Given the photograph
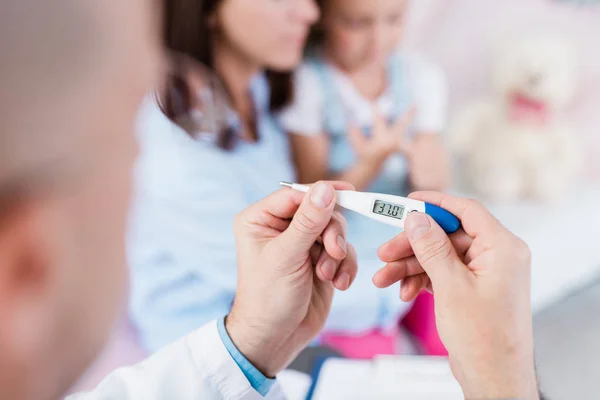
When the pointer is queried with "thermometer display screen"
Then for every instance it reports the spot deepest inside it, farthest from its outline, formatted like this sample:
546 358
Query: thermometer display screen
388 209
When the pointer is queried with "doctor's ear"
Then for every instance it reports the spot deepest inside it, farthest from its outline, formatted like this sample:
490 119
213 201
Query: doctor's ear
25 254
29 280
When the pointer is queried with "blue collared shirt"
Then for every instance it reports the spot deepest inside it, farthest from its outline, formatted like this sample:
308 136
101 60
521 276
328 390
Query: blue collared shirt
259 382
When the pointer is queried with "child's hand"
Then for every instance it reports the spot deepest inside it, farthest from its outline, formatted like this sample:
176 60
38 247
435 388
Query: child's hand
384 141
429 163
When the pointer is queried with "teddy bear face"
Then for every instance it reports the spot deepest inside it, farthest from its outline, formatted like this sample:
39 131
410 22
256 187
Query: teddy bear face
540 69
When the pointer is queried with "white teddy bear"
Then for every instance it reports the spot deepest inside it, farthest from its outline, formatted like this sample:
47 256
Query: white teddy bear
518 143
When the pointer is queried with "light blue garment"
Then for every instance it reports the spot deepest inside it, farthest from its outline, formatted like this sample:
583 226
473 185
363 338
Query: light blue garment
257 380
366 234
181 246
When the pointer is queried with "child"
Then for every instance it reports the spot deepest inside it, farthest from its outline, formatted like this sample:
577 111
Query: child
370 115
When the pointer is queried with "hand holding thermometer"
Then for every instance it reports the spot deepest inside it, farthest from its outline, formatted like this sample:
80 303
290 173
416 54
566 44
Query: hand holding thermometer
391 210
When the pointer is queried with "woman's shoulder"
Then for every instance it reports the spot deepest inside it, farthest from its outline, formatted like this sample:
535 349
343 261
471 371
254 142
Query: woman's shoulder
153 127
169 156
156 131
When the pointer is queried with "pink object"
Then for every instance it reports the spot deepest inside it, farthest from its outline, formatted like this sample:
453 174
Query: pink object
420 321
525 109
361 346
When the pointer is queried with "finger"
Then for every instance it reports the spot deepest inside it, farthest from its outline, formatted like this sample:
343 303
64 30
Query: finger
311 219
397 271
357 138
399 247
475 217
409 288
379 123
315 253
284 203
429 287
327 267
272 212
395 249
275 211
434 250
405 121
338 185
334 236
347 271
400 128
412 286
407 147
408 265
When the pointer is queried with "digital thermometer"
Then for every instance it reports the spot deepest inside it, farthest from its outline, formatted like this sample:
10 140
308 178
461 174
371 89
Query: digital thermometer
391 210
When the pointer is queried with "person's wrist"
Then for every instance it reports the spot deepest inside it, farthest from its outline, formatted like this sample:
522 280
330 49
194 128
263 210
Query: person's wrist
493 391
500 377
257 343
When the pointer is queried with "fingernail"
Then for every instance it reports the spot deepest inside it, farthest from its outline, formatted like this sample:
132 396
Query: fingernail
342 243
321 195
417 225
328 270
343 281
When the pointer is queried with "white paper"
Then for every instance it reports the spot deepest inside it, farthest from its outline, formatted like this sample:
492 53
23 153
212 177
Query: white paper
295 384
388 377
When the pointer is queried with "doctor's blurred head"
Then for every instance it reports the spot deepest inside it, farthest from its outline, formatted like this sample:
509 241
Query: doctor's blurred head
72 75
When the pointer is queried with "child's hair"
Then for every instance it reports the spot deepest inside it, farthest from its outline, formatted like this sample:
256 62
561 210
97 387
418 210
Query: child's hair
186 32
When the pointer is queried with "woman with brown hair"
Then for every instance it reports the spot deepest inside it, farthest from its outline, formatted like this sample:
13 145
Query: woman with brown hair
210 148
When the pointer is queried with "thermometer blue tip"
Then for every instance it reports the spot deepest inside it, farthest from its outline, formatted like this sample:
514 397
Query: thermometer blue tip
445 219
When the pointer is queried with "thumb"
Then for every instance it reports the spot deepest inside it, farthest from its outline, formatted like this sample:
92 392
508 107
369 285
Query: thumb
310 220
433 249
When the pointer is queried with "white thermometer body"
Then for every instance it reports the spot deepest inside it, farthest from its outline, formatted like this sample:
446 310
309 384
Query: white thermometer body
386 208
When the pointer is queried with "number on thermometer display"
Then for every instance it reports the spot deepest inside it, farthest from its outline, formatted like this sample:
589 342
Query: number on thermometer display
388 209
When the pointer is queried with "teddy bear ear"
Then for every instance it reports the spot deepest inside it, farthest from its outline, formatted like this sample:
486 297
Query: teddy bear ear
503 51
501 56
568 49
503 46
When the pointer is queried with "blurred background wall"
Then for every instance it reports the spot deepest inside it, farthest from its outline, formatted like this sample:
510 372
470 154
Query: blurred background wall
460 36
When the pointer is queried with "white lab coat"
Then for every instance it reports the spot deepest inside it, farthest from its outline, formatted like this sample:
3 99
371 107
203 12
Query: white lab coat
197 367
